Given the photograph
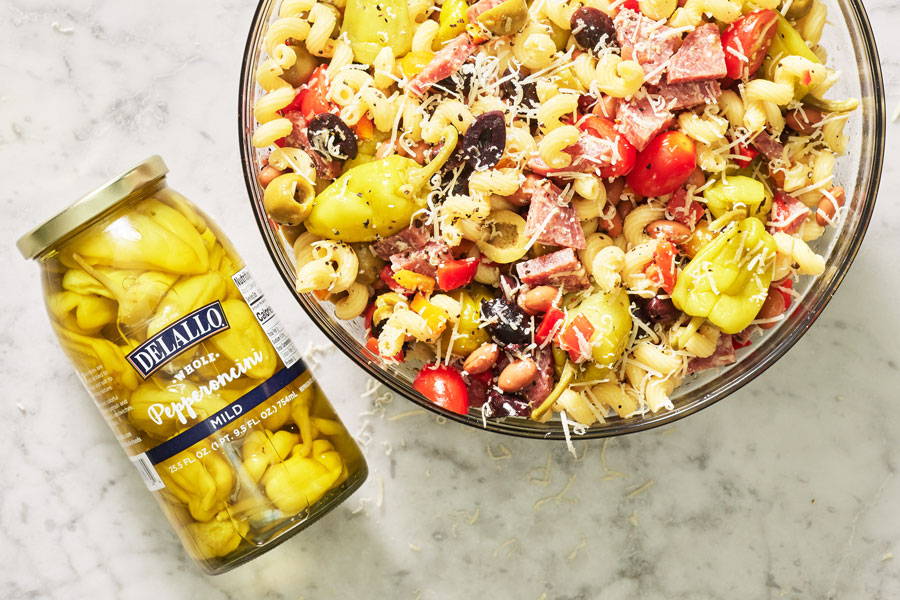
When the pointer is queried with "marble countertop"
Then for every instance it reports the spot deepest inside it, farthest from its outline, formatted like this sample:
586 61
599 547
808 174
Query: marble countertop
787 489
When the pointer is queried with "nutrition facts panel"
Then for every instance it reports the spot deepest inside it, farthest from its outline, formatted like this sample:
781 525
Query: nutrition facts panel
266 317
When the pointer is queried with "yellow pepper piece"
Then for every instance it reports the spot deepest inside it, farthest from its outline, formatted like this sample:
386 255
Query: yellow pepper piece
163 412
452 21
218 537
787 42
86 313
151 236
299 482
188 294
264 448
202 484
738 192
435 316
414 281
728 280
413 63
245 341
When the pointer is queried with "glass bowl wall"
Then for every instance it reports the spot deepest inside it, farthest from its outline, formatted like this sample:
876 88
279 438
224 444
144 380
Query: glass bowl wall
851 48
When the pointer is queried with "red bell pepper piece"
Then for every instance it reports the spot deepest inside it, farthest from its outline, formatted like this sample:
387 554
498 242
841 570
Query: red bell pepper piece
548 324
456 273
579 330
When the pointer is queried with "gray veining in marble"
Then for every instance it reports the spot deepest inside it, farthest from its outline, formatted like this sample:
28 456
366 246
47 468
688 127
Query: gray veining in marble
788 489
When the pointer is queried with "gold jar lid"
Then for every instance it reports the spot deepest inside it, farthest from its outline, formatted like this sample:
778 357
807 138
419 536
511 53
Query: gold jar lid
90 207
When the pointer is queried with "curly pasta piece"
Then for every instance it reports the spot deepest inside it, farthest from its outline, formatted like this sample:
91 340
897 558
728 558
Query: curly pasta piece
691 14
606 268
638 219
801 255
551 146
618 78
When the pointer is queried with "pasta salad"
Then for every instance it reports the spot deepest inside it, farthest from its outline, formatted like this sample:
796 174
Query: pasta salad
569 206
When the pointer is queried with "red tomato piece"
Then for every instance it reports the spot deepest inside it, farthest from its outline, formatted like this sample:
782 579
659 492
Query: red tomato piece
748 38
444 386
456 273
738 344
785 284
296 103
632 4
748 152
576 338
548 324
314 94
662 270
625 154
665 164
368 315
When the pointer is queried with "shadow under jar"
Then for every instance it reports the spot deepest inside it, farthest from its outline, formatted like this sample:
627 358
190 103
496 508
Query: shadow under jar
191 369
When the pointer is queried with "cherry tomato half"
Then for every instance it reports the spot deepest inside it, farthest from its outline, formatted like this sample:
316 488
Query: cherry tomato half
749 37
624 155
665 164
454 274
444 386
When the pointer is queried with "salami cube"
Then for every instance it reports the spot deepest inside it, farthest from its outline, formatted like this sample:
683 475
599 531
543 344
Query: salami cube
700 58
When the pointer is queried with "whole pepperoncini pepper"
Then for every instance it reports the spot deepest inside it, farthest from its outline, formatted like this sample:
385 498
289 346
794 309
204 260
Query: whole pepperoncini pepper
93 351
152 236
203 484
376 199
264 448
298 482
189 294
728 280
138 293
738 192
371 26
217 537
244 340
87 313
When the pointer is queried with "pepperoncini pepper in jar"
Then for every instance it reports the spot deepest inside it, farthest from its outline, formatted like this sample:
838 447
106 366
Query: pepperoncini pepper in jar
207 395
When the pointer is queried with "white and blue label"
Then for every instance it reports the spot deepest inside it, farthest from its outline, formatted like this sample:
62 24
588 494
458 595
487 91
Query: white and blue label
183 334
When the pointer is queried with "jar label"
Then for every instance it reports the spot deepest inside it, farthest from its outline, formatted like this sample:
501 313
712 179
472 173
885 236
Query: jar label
224 417
180 336
266 317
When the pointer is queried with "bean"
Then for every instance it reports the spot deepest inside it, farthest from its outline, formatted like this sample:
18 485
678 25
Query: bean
538 300
614 190
828 208
607 106
673 231
777 178
481 359
623 208
612 226
804 120
771 308
697 178
517 375
266 175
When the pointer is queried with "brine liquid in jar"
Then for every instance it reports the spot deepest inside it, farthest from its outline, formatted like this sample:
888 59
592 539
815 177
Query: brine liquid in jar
192 369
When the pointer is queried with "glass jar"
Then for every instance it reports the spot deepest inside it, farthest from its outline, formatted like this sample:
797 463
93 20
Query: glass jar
191 369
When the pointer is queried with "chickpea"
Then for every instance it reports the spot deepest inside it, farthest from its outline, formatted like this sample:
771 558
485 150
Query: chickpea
673 231
482 359
517 375
697 178
266 175
538 300
827 207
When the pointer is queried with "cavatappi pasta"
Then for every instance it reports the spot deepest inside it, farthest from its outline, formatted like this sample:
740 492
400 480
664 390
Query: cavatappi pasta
572 206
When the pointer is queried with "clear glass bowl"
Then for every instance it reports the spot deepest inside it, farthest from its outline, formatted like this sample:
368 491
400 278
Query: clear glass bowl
859 171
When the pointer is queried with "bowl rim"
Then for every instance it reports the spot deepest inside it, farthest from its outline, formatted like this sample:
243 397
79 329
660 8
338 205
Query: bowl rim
246 88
